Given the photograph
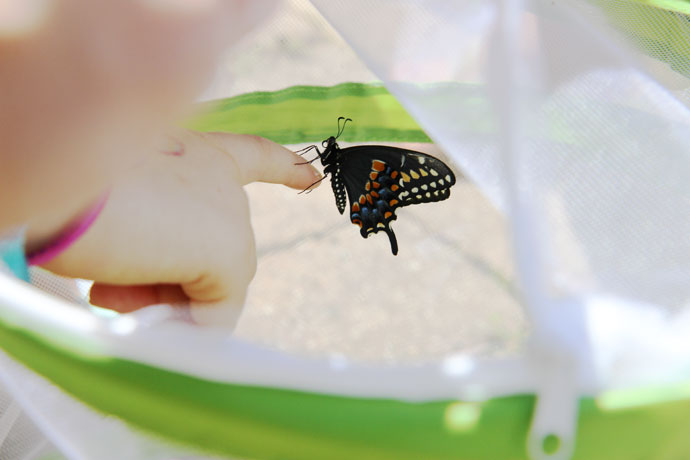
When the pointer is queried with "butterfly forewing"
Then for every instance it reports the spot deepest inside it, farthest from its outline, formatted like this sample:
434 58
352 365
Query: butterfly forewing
424 179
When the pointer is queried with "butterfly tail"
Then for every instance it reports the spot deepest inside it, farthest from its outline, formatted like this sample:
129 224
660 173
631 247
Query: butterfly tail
394 241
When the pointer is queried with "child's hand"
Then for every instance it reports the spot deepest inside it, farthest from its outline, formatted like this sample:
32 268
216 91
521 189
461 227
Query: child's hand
177 228
86 87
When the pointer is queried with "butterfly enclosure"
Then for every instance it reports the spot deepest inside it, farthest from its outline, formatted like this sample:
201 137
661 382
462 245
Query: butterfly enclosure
540 311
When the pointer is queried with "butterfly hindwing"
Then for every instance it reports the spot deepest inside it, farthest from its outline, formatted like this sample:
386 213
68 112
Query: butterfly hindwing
380 179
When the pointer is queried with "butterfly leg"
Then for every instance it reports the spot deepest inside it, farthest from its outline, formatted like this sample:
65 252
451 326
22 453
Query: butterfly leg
306 149
309 189
306 162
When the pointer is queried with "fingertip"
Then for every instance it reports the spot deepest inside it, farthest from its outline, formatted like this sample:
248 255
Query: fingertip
224 315
304 175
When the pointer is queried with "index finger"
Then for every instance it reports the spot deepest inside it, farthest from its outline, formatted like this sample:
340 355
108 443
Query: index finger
262 160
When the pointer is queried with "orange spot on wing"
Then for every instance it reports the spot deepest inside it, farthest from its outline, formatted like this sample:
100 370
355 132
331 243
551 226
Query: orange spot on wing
387 215
374 194
376 184
394 187
357 222
369 199
377 165
355 207
394 174
362 200
393 202
368 186
373 175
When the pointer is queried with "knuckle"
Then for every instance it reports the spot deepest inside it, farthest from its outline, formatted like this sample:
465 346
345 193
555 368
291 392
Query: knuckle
254 157
263 161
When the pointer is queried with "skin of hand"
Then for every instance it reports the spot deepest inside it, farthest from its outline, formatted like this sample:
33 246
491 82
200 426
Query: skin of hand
176 228
88 87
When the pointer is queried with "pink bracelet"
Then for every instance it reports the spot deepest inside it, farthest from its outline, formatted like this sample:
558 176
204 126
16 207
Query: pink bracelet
70 235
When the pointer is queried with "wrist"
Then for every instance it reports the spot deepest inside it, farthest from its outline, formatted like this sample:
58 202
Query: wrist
44 245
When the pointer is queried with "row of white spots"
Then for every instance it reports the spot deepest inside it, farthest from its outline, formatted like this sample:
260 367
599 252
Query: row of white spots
340 197
435 193
435 173
426 187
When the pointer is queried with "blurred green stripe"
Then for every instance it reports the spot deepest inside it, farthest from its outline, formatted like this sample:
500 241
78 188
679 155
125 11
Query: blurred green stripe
308 114
304 92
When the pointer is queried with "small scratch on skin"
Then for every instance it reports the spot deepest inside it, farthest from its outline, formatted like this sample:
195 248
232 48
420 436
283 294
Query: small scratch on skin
176 148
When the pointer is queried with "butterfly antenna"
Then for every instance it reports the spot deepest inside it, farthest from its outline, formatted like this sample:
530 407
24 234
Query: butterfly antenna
342 128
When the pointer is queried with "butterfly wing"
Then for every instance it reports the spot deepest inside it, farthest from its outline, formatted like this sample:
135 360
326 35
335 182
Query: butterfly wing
379 179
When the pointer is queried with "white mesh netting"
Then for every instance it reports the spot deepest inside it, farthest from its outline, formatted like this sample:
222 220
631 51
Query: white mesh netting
570 120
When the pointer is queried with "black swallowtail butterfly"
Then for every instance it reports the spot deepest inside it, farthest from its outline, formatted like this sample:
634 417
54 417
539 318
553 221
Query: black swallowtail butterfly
379 179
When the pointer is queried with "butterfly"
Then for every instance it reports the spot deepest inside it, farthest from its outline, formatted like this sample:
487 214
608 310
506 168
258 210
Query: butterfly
378 180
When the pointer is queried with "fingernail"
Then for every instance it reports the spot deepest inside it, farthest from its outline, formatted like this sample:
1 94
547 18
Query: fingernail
223 315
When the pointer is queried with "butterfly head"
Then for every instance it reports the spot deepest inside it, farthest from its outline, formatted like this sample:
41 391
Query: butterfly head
330 146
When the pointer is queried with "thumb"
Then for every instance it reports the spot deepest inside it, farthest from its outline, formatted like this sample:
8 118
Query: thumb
261 160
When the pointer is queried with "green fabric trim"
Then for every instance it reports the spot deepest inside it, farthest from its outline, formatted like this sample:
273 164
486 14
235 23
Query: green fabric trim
308 114
269 423
264 423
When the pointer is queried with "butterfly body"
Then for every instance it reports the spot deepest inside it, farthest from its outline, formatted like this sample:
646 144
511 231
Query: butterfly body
378 179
